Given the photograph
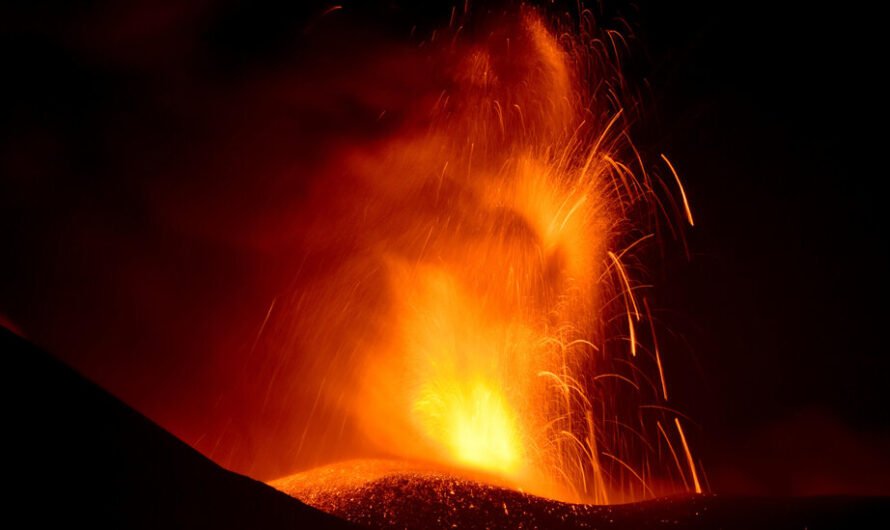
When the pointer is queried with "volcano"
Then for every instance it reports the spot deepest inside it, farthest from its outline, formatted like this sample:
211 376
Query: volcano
80 456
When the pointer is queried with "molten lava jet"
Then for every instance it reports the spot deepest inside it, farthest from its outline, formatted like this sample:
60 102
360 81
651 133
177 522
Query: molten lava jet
475 304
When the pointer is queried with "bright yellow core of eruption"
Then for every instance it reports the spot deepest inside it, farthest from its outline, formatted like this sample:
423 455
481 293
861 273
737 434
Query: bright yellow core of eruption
480 429
459 402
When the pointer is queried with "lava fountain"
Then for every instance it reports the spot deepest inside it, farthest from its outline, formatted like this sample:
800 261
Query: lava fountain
474 301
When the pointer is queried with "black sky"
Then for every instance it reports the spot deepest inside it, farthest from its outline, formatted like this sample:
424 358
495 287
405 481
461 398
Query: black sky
776 115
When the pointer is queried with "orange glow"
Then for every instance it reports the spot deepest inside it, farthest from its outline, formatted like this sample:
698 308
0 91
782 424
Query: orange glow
472 324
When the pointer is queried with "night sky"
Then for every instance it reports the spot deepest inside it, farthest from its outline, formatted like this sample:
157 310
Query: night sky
145 219
774 113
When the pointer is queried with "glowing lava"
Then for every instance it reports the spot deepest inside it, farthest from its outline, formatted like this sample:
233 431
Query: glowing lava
485 306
